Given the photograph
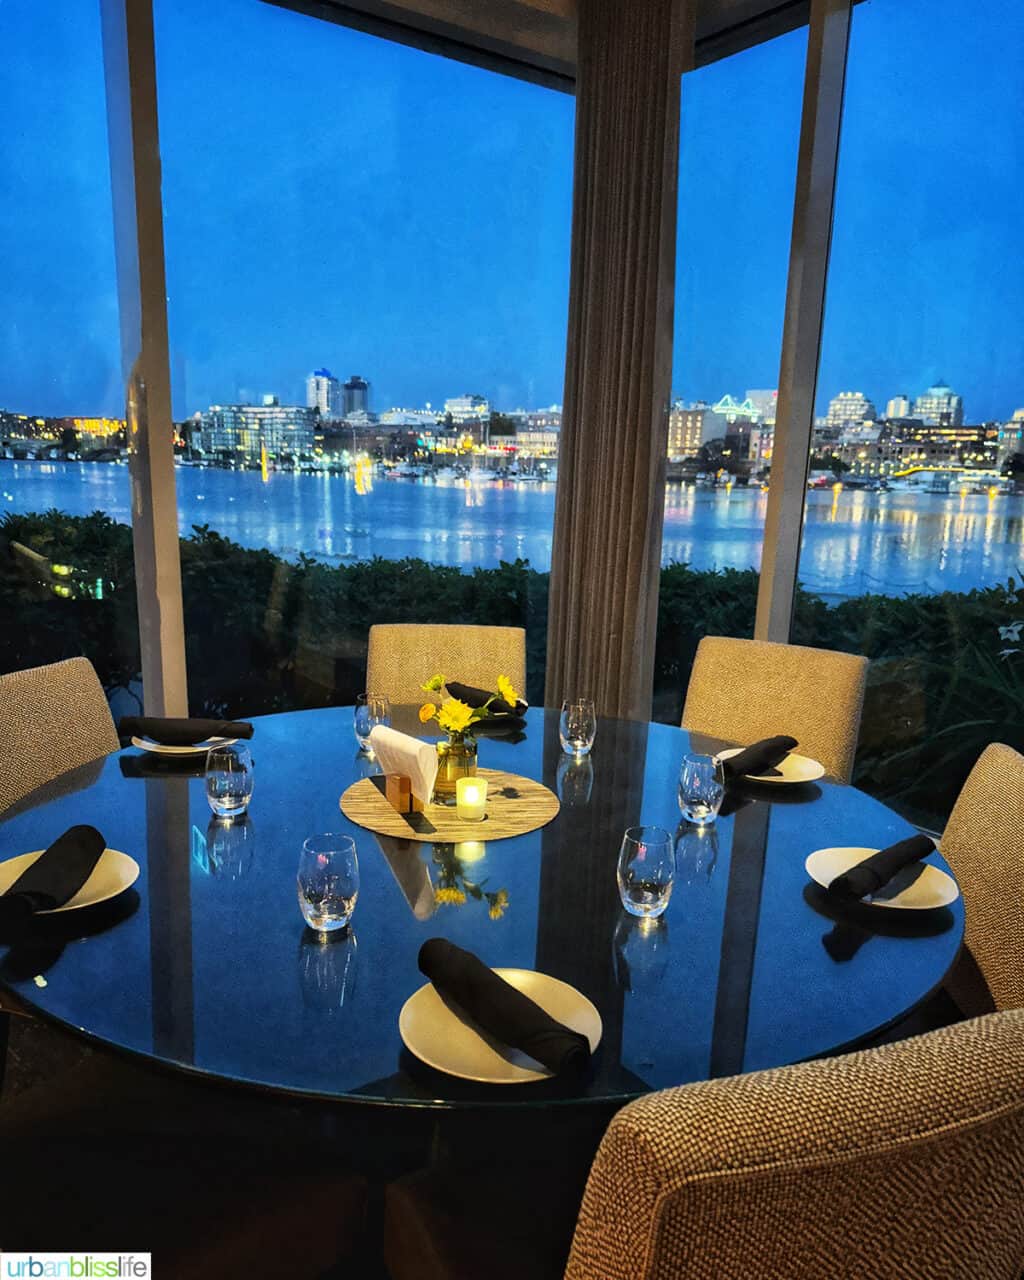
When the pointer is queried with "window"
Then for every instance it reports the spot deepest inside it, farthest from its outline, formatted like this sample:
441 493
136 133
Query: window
367 265
912 544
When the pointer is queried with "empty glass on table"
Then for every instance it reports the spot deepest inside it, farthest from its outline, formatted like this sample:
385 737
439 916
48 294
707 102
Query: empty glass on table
371 710
229 780
701 788
328 881
577 726
646 870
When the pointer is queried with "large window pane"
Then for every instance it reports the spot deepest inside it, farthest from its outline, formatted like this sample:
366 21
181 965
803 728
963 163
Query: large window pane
913 535
368 274
740 128
66 571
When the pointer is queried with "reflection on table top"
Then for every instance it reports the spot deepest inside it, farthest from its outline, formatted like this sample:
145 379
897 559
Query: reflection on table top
207 966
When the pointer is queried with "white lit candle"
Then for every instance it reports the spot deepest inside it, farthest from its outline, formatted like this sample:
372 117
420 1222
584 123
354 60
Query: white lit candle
471 799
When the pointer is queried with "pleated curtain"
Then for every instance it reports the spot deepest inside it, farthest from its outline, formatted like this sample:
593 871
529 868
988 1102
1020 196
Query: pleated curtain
611 472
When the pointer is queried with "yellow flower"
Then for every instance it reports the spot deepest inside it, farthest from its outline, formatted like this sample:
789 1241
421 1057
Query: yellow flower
449 897
501 897
496 911
506 690
434 685
455 716
427 712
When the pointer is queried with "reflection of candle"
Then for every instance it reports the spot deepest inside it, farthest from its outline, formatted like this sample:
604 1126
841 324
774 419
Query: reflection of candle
470 850
471 799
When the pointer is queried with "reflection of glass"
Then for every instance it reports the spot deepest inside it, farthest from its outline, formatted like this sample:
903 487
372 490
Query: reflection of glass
646 870
640 953
577 726
701 788
371 710
231 848
696 852
327 972
366 765
574 780
328 881
229 780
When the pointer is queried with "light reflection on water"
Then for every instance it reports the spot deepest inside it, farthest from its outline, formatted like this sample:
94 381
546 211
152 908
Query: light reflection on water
854 541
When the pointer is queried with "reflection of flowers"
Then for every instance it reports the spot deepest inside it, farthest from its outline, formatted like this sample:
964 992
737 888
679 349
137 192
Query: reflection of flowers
454 887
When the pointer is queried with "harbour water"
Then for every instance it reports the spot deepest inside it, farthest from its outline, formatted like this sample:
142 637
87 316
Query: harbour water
854 541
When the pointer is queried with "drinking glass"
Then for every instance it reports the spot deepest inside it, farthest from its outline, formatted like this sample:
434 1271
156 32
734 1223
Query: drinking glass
701 788
577 726
229 780
371 710
646 870
328 881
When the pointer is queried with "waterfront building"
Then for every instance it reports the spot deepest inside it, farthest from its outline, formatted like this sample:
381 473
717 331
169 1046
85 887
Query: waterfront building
425 419
355 396
323 392
244 431
1010 437
849 408
940 406
688 428
766 403
539 442
898 407
544 419
467 409
732 410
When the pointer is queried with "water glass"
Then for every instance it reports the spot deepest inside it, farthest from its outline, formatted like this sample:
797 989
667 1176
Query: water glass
328 882
371 710
229 780
701 788
577 726
646 870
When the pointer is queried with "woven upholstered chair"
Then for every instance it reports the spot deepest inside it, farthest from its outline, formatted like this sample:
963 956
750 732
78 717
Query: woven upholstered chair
984 844
904 1161
743 690
402 655
52 719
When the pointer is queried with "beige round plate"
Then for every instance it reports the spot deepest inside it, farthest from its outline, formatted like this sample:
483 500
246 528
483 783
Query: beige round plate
199 748
794 768
114 873
933 887
440 1038
515 805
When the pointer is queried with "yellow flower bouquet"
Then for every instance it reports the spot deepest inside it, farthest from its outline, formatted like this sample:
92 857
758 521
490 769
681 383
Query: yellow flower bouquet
456 757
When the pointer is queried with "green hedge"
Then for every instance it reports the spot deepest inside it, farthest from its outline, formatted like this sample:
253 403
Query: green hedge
264 634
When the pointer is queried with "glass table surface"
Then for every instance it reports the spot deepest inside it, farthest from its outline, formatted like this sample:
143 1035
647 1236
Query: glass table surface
206 964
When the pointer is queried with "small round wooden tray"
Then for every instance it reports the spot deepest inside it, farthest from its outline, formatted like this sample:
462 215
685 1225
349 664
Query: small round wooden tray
515 805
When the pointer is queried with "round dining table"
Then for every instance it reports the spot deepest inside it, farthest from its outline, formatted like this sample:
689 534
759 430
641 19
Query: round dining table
206 966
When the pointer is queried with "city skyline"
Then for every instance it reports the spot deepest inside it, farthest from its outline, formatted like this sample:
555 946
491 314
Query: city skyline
305 237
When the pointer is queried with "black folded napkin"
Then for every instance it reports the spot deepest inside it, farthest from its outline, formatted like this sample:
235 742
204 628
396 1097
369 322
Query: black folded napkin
760 758
474 697
501 1010
55 876
181 733
870 875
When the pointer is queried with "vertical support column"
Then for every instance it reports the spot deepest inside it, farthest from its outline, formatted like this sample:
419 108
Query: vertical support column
606 558
132 127
814 201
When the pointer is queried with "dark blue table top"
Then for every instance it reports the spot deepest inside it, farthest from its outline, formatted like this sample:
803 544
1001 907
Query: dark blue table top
207 966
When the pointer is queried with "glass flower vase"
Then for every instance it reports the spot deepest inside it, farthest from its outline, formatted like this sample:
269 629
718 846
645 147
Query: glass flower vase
456 758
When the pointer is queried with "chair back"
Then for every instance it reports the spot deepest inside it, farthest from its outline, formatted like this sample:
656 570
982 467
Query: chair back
905 1160
52 719
404 655
744 690
984 844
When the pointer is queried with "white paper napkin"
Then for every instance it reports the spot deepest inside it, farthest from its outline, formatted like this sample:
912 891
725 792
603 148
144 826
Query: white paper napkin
401 753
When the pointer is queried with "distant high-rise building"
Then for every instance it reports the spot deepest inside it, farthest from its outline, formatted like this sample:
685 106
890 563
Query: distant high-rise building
323 392
940 406
765 402
355 396
898 407
848 408
687 429
467 409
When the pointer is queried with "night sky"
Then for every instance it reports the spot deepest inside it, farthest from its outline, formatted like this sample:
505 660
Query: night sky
333 199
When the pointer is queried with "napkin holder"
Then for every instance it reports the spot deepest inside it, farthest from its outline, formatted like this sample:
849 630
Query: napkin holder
399 794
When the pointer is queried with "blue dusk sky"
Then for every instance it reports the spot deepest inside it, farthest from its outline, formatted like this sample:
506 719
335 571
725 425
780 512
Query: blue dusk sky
333 199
